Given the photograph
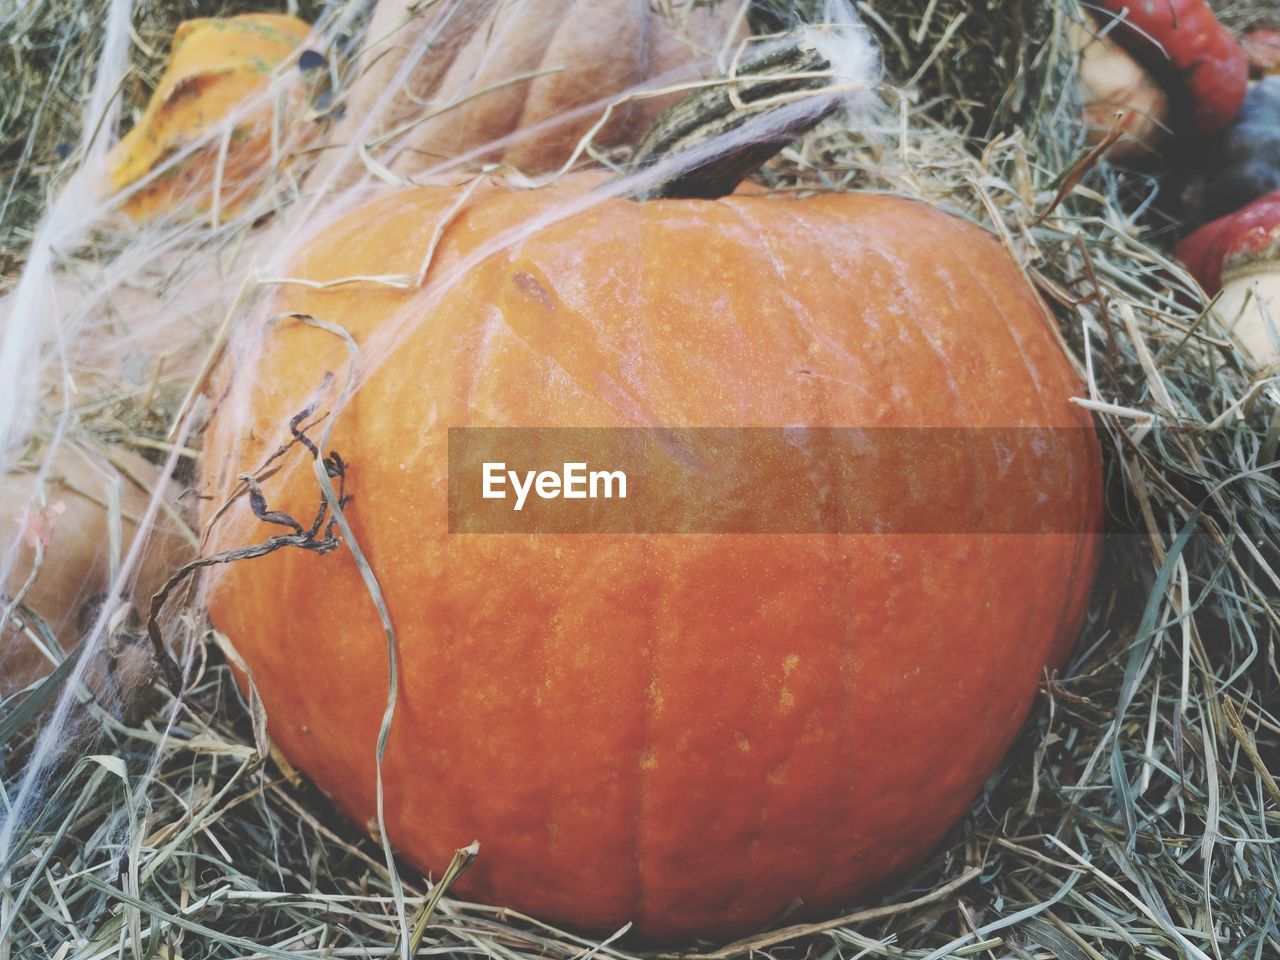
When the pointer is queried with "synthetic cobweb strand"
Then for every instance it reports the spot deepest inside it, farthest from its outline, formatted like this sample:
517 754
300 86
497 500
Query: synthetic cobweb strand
1074 789
32 306
55 331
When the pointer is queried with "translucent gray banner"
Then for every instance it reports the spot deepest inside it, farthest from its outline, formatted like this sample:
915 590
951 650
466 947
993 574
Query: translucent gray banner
773 480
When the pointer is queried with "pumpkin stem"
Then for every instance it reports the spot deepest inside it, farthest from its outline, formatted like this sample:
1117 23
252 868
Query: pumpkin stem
726 132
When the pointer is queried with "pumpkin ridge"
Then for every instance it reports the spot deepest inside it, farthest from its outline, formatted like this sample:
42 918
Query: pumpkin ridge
649 723
506 104
540 64
760 227
890 262
493 328
764 214
650 720
751 227
574 356
1033 371
765 238
848 706
943 374
592 68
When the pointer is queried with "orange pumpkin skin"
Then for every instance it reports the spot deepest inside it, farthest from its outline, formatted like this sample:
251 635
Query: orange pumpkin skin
689 732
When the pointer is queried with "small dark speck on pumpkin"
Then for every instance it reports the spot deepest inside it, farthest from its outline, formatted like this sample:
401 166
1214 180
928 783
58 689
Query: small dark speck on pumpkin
530 285
310 60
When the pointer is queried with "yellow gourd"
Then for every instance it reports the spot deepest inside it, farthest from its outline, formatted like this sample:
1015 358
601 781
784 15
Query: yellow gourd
216 66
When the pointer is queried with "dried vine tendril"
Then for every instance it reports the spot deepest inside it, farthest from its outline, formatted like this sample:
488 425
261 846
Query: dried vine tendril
319 537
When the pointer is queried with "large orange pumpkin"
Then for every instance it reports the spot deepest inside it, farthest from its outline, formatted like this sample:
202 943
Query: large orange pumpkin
690 732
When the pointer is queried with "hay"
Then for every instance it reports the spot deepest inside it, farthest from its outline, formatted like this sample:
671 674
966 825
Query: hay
47 45
974 66
1135 816
1241 15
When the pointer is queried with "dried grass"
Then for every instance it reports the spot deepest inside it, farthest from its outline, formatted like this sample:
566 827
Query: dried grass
1136 816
